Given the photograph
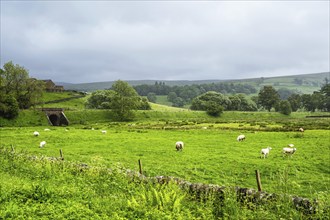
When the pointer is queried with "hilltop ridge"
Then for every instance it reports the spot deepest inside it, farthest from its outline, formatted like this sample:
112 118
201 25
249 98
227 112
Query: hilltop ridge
312 80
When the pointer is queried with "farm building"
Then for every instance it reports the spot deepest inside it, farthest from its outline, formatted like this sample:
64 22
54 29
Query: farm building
51 87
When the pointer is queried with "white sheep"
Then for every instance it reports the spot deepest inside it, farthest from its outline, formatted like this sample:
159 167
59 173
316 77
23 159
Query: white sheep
288 150
179 146
291 145
265 152
104 131
36 133
42 144
301 129
47 129
241 137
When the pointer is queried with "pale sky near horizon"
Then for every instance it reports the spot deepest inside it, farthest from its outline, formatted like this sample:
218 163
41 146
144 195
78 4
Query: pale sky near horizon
93 41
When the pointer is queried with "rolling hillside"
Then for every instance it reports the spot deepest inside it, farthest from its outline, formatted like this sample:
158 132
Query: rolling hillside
306 83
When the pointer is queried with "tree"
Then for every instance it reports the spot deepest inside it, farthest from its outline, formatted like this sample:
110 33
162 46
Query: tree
284 107
213 109
268 97
124 101
144 104
100 99
178 102
295 101
325 91
235 103
310 101
152 97
8 106
171 96
16 84
211 102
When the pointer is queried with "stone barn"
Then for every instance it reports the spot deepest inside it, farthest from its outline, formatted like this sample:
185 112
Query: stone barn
51 87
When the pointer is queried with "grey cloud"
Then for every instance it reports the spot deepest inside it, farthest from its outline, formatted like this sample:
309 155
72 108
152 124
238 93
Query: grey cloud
85 41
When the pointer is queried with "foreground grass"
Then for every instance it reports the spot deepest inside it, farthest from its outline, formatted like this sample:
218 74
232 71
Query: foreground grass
36 188
210 155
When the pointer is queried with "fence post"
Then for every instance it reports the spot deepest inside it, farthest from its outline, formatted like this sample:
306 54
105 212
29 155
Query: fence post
258 180
61 154
140 167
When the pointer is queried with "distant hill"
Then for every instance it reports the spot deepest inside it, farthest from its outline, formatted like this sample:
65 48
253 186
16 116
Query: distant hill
106 85
63 83
305 83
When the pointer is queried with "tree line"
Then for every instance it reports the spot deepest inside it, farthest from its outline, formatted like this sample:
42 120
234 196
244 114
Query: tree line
268 98
181 95
19 91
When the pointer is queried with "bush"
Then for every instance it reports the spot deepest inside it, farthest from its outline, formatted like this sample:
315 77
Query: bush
284 107
9 107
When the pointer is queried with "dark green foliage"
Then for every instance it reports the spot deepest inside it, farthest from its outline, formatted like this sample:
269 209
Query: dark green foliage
310 101
325 91
188 92
239 102
268 97
152 97
15 84
178 102
171 96
213 109
100 99
8 106
295 101
284 107
318 100
144 104
211 102
124 101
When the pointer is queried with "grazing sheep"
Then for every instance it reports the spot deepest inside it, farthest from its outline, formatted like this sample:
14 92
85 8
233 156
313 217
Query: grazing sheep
265 151
291 145
47 129
289 151
104 131
36 133
301 129
42 144
179 146
241 137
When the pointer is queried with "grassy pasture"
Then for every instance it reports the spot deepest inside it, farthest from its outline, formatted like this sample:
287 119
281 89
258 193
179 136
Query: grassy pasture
74 104
210 155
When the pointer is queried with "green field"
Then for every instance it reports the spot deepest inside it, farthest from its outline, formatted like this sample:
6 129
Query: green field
34 187
210 155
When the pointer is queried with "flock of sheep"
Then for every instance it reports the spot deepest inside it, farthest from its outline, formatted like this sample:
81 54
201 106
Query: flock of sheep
43 143
289 150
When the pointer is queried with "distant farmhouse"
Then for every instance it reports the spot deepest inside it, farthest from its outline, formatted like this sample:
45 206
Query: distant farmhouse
51 87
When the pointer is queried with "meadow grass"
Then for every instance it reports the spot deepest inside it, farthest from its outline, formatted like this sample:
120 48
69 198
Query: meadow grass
210 155
51 96
41 189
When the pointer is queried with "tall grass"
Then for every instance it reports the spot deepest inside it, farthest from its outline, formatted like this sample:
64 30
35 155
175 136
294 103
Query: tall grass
39 188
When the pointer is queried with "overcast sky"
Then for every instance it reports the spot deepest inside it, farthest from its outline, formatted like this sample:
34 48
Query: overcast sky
92 41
